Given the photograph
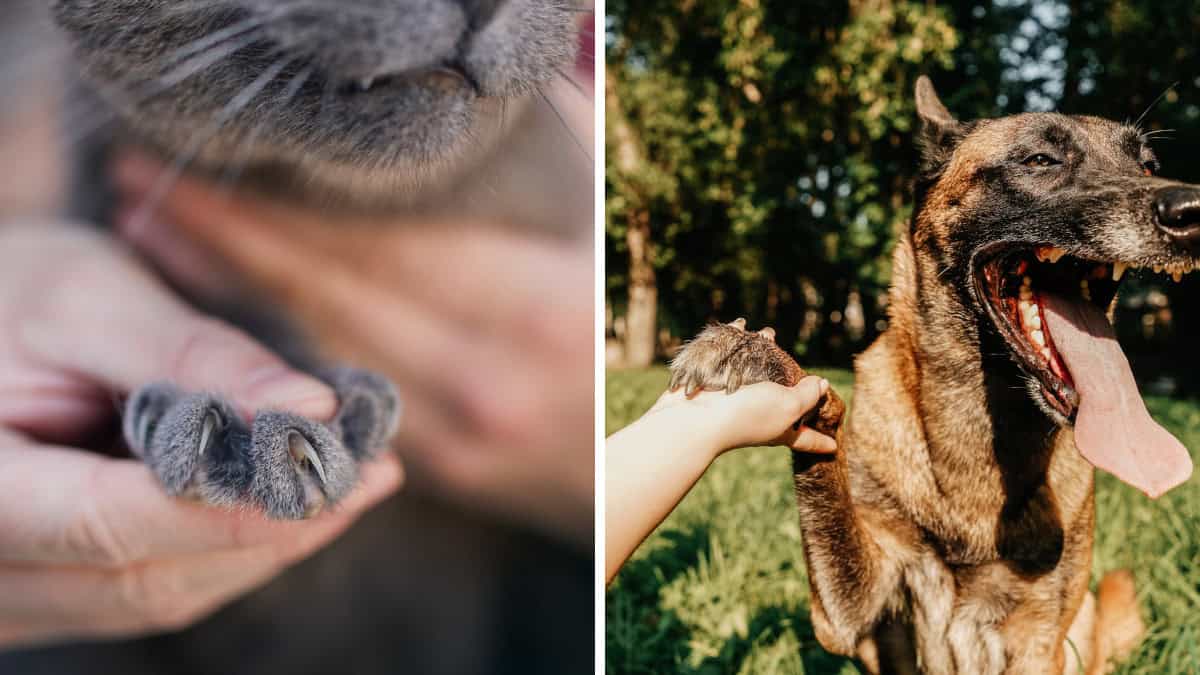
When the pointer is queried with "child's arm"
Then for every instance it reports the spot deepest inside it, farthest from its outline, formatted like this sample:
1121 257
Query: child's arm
651 464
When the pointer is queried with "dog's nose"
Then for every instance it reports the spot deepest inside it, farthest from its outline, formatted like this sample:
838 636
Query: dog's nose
1178 212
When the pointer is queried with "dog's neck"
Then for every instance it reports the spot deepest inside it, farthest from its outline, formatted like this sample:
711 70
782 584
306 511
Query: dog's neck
991 451
969 385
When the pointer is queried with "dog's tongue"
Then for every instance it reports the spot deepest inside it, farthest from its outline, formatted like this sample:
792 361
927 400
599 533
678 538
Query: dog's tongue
1113 429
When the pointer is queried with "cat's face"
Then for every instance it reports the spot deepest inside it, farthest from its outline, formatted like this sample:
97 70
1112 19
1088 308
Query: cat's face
362 101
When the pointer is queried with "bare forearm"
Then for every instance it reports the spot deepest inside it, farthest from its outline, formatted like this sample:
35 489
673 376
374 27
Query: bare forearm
649 466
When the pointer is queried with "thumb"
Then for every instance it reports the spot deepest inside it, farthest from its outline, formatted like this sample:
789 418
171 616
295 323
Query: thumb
105 317
804 395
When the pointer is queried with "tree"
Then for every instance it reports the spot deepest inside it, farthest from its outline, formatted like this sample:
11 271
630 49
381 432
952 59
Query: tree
774 157
759 148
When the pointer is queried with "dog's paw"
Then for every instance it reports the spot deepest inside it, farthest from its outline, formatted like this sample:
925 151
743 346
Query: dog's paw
289 466
727 357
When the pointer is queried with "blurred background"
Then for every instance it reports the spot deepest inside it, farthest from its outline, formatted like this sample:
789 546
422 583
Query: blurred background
759 153
759 158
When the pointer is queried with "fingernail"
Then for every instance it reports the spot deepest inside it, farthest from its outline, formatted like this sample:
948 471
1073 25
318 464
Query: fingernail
281 388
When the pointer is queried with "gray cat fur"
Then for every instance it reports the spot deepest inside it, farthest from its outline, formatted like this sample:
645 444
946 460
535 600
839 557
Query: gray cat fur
311 135
199 446
441 72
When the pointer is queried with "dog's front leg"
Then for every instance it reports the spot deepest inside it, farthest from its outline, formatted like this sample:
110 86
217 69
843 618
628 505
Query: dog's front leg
850 578
847 574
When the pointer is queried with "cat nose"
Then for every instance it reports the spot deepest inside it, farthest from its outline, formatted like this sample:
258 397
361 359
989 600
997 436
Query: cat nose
1177 209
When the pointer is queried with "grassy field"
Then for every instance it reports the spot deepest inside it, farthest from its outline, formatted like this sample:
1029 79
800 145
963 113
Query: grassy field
720 587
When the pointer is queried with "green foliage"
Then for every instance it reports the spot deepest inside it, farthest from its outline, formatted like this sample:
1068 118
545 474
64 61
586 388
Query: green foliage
775 159
776 138
720 586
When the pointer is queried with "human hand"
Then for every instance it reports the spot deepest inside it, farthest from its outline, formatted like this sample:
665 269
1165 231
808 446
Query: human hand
764 413
91 546
486 330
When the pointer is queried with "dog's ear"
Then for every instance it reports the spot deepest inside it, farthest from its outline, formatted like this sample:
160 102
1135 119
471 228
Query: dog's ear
939 131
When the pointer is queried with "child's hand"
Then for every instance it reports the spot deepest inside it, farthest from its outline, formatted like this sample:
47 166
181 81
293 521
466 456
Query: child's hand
759 414
651 464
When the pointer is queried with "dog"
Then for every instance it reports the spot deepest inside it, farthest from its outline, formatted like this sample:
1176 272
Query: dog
952 532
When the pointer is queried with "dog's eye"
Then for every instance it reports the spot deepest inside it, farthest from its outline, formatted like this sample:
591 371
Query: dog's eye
1040 160
1149 167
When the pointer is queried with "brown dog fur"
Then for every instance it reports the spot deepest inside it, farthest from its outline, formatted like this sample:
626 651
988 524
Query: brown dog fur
952 532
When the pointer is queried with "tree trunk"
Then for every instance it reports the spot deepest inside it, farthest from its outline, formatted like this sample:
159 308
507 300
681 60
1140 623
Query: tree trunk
641 318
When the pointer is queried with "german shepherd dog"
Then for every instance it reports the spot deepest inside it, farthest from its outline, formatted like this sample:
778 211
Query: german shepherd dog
952 532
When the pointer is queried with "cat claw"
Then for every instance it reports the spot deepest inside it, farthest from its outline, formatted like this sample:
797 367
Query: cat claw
289 466
303 452
206 431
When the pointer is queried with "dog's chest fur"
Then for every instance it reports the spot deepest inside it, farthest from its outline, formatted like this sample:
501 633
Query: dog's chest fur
981 516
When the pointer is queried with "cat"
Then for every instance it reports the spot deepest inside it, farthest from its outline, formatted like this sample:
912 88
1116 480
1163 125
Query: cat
376 106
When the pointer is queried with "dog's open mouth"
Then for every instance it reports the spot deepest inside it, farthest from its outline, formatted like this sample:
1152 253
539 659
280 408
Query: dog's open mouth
1016 284
1051 309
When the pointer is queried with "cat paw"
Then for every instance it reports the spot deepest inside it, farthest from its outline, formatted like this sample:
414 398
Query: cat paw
726 357
368 409
289 466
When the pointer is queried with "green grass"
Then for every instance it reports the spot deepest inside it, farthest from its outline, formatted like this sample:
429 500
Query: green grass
720 586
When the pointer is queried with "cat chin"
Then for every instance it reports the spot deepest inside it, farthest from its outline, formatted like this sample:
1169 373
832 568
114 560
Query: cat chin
380 178
325 106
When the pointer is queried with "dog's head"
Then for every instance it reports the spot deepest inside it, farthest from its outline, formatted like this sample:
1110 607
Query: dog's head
1035 218
366 99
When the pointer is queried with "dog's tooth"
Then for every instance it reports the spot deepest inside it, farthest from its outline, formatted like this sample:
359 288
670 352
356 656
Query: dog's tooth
1085 290
1038 338
1046 353
365 83
1040 253
1035 320
1158 268
1177 276
1052 253
1118 270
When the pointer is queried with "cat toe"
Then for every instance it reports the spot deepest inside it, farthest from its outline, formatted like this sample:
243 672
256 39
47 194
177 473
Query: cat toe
178 435
368 410
299 466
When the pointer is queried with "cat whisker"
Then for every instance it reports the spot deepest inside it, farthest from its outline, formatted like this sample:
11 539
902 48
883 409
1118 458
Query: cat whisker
93 120
566 127
242 154
574 85
202 61
211 39
171 174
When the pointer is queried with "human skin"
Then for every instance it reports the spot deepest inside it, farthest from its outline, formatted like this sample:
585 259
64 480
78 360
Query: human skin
90 545
486 330
651 464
